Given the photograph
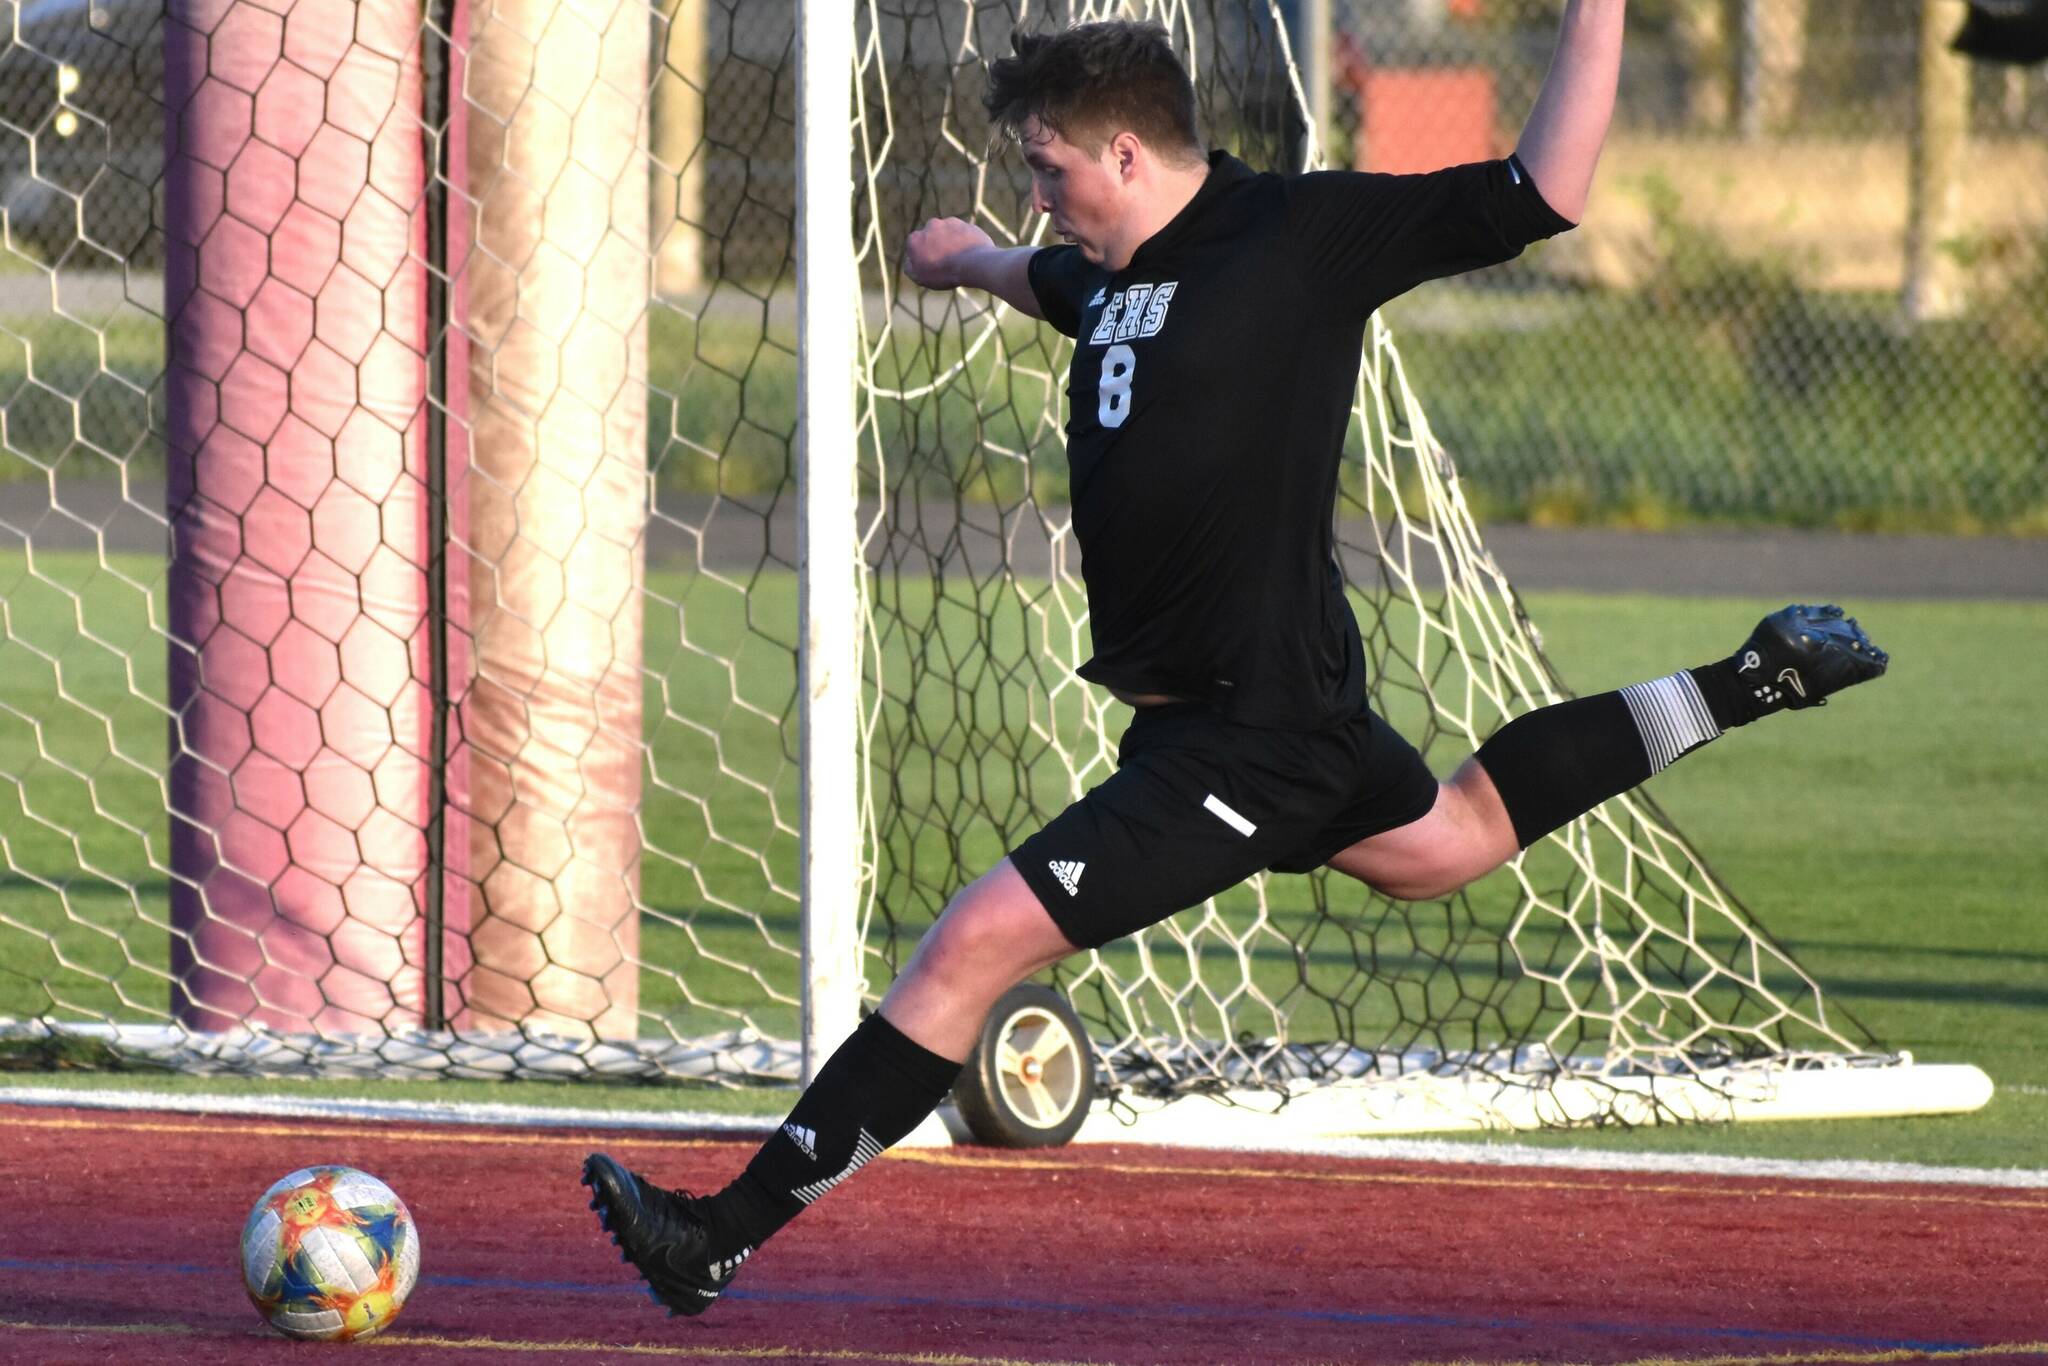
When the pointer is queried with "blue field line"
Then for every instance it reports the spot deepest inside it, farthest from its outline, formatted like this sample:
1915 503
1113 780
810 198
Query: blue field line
1358 1318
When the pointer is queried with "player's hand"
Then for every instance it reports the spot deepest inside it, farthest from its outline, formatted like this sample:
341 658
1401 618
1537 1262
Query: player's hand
936 252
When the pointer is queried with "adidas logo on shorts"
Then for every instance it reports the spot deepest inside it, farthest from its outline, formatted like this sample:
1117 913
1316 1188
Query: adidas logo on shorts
1069 875
803 1138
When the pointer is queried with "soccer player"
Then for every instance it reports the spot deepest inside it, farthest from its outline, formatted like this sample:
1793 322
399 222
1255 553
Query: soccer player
1218 317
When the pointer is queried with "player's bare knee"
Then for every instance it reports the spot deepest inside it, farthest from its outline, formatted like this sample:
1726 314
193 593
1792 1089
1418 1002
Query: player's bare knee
980 942
950 949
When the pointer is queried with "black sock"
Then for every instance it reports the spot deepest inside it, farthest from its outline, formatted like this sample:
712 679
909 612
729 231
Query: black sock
1731 700
868 1095
1556 763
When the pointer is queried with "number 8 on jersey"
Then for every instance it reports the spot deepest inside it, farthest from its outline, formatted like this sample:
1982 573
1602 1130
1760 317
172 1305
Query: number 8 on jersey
1113 389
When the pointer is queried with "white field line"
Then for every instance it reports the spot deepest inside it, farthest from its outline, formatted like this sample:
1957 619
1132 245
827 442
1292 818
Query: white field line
411 1111
1384 1149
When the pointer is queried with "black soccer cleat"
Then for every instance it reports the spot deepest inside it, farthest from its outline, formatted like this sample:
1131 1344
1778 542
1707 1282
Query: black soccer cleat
663 1234
1799 655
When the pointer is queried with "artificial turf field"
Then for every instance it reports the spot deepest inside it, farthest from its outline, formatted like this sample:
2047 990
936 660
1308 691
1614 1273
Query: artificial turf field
121 1232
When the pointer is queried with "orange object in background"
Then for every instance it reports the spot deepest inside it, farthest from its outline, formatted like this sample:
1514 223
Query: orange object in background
1424 118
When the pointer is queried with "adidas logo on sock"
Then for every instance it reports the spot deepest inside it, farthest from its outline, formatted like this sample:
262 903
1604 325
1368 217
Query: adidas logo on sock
1069 875
722 1267
807 1139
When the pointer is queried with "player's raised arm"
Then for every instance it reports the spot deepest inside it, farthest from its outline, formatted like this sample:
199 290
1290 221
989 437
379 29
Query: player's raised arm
949 253
1561 141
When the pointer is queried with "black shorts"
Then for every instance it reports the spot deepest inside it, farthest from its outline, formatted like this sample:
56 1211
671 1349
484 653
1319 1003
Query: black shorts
1198 804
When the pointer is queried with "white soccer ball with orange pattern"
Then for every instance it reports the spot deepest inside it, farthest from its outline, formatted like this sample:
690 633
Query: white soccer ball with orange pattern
330 1254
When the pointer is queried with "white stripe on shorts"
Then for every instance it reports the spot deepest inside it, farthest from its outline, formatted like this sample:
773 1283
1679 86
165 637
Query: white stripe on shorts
1671 716
1215 807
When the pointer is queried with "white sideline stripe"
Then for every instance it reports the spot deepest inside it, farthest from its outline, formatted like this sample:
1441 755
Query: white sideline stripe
1215 806
415 1111
1676 1164
1385 1149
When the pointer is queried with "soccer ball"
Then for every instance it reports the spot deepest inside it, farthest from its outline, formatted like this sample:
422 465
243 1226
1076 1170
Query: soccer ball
329 1253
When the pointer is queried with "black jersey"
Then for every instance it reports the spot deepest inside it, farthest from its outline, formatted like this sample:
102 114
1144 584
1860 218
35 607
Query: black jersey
1210 388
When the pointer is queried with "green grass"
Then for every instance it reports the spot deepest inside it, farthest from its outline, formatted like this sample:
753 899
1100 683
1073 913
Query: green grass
83 829
1889 840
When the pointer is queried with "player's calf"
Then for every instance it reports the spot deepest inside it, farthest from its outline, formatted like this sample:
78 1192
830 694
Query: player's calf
1553 765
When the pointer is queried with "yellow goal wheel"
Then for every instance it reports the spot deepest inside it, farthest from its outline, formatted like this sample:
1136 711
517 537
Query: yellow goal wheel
1031 1076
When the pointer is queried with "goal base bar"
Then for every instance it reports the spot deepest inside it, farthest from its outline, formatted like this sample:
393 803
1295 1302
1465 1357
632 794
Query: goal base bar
1431 1104
1419 1102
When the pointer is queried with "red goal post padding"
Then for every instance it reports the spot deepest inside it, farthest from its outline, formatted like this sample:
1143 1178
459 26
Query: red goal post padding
305 443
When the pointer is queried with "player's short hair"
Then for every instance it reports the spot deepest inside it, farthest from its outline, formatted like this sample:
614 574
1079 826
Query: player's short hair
1092 81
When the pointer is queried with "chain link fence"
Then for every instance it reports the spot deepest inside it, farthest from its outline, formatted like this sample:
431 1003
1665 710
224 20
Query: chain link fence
1811 286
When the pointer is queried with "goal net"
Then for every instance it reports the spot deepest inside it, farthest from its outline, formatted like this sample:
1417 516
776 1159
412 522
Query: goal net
399 544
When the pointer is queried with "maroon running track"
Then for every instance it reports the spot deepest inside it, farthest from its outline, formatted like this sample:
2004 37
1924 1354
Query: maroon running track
120 1244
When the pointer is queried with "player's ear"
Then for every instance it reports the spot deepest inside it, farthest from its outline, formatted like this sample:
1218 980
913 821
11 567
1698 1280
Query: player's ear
1124 151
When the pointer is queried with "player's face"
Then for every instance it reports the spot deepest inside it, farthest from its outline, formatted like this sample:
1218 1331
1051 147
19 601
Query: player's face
1082 193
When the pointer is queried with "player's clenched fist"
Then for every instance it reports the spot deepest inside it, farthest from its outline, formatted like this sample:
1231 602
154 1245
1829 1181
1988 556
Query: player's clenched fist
935 253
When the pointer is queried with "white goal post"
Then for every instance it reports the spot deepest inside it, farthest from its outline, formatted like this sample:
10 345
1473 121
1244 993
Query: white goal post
829 567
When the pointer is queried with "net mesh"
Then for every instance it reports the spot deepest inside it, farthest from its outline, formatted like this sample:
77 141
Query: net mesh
545 315
1608 950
